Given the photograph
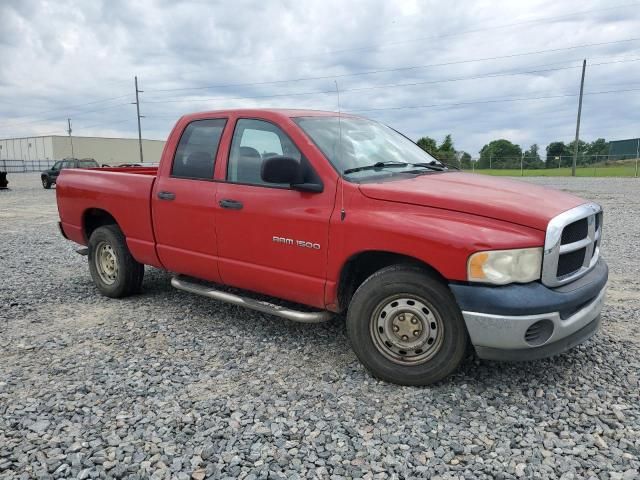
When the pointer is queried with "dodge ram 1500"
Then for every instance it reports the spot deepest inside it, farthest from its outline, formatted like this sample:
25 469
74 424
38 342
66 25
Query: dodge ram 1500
334 213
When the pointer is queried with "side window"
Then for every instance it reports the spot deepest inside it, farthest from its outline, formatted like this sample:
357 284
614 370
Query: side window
254 141
196 152
67 164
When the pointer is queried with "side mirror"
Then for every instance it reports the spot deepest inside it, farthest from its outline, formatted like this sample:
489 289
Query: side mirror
281 169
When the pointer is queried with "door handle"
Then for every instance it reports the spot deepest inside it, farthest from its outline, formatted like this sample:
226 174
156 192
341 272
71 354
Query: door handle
166 195
231 204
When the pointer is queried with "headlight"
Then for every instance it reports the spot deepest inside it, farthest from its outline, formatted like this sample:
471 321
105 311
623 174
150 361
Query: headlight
505 266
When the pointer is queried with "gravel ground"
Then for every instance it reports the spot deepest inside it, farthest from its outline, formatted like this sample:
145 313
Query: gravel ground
170 385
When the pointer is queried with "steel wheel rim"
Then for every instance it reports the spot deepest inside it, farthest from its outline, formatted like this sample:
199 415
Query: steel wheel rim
406 329
44 182
106 263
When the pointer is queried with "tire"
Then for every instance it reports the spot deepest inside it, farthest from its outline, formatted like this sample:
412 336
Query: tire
46 183
114 271
405 326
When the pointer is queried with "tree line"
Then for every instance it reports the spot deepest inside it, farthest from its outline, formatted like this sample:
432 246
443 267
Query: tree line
502 153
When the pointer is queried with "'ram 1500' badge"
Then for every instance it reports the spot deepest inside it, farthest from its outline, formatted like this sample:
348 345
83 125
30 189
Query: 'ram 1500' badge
298 243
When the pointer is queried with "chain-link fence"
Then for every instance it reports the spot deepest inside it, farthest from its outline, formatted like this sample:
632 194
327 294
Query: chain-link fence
586 165
16 166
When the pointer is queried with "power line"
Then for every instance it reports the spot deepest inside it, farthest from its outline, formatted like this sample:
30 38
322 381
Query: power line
483 29
396 69
519 99
117 122
320 78
392 85
76 114
62 108
432 37
475 102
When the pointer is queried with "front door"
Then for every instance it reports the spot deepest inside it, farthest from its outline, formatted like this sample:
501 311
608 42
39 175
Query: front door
184 203
271 239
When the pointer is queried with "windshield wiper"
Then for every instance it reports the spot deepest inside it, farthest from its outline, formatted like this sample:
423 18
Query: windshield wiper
376 166
430 165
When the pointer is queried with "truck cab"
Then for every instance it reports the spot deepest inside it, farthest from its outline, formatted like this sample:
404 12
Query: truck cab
311 215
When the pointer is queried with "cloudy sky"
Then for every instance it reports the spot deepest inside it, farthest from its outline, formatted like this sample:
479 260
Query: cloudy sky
478 69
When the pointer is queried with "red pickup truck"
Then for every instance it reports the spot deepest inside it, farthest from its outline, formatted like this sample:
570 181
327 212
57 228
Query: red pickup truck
334 213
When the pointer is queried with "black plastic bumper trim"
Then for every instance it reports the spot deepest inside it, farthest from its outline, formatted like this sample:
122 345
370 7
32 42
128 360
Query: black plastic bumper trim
532 298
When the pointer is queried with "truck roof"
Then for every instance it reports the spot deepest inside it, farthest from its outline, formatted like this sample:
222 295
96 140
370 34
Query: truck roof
272 112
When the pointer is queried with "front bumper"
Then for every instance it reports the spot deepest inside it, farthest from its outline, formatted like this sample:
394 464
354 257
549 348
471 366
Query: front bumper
528 322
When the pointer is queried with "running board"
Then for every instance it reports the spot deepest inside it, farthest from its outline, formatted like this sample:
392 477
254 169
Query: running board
182 283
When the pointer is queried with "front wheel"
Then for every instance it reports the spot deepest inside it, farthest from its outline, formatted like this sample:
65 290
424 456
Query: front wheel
405 326
46 183
114 271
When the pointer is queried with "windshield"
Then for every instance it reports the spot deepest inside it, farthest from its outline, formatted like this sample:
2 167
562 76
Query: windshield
357 144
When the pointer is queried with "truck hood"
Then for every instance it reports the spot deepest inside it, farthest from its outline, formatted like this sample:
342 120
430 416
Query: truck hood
493 197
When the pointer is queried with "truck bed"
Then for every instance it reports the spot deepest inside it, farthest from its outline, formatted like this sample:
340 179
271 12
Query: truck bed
124 193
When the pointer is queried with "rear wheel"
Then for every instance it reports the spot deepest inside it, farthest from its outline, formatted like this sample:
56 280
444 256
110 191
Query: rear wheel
46 183
405 326
114 271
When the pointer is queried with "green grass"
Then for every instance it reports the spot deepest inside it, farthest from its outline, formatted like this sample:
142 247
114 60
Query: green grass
597 171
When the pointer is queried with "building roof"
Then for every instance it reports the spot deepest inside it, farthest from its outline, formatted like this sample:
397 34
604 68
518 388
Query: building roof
81 136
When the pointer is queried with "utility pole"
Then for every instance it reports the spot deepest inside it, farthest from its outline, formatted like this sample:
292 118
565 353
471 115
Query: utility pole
575 147
70 137
490 157
522 165
137 102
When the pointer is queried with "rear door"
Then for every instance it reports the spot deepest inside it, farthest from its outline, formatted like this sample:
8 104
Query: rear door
271 239
184 203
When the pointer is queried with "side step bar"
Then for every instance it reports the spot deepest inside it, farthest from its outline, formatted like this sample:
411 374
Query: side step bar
182 283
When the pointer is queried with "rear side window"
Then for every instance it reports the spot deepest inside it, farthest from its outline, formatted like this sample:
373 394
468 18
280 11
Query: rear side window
196 152
87 164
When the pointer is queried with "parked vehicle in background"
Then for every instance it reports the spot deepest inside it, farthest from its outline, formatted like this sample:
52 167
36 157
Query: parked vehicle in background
338 213
49 177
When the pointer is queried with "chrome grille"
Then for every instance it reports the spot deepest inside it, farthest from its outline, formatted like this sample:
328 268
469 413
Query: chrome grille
572 244
570 262
575 231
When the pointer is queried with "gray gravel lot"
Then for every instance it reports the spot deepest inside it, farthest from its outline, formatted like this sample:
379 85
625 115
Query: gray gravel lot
170 385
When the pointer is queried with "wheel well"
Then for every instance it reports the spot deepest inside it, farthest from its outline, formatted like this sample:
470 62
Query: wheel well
362 265
94 218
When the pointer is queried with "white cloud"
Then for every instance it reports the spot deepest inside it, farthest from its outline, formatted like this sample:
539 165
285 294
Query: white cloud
59 54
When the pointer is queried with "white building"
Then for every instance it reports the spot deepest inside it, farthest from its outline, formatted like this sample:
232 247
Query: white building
111 151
